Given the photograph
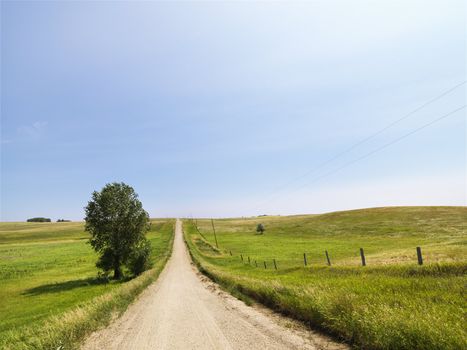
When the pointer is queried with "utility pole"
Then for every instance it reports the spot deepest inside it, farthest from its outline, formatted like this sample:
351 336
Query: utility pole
214 230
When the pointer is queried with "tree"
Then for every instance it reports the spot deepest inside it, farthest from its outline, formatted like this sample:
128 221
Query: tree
117 222
39 219
260 229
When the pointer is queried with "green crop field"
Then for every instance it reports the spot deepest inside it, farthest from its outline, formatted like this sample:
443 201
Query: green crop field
47 269
392 303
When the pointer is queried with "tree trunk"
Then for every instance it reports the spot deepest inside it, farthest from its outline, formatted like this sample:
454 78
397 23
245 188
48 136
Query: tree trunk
117 271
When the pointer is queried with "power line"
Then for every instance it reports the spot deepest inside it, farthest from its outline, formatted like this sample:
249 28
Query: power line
379 149
352 147
369 137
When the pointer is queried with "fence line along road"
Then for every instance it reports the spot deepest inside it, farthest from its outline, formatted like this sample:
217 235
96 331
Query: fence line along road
305 258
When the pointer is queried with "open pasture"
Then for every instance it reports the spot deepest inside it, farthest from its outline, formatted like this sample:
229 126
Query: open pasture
47 269
392 303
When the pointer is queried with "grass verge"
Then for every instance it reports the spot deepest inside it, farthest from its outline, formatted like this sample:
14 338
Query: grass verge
67 330
396 306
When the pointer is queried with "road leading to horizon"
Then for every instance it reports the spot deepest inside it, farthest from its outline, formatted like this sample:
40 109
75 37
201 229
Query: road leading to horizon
184 310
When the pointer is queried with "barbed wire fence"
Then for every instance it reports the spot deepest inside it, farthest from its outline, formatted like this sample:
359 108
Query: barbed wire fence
304 259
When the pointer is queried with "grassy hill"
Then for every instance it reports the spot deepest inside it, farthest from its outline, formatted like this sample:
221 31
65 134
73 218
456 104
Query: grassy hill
48 269
392 303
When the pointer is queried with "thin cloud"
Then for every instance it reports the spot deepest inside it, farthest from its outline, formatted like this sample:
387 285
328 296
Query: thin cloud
35 130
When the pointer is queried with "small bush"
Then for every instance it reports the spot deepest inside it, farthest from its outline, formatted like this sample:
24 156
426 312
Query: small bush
139 260
260 229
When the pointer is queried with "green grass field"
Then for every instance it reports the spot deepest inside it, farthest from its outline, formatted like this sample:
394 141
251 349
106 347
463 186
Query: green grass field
392 303
48 269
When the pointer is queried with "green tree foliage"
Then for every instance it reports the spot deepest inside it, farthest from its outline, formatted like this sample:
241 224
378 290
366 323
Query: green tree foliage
260 229
39 219
117 222
139 261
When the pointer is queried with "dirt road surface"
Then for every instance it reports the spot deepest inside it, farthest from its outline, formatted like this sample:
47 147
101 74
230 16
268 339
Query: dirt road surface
184 310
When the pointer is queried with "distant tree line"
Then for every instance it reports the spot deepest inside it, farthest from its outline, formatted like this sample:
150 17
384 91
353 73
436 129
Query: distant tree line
39 219
63 220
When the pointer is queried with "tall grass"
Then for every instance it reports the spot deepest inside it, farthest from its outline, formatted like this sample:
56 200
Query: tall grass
396 306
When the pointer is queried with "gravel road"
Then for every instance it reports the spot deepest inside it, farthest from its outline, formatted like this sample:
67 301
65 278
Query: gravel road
184 310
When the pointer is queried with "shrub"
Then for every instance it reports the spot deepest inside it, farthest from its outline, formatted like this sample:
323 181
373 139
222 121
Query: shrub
260 229
139 260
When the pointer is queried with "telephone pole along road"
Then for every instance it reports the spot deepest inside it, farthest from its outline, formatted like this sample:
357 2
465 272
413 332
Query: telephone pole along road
184 310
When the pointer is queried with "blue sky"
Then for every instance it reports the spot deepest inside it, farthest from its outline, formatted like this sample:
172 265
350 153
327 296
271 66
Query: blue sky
207 108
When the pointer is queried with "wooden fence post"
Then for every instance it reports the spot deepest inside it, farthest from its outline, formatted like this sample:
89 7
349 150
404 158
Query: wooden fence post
362 254
419 256
214 230
241 257
265 265
230 252
327 258
249 261
275 265
304 259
